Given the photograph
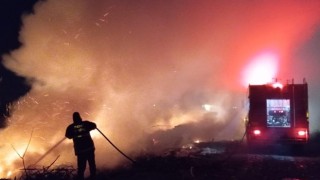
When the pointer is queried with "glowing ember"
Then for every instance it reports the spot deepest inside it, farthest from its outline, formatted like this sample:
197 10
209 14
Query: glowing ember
137 69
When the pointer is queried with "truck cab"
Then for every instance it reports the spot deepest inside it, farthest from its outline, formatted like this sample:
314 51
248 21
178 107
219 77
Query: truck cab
278 113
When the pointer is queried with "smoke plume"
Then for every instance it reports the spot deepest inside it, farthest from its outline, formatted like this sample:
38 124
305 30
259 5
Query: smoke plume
142 68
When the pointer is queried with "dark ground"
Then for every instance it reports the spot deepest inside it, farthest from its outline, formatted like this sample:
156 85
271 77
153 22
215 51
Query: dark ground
214 160
236 162
226 160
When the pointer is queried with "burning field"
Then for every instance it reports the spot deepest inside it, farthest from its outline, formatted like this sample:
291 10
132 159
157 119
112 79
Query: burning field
153 75
204 160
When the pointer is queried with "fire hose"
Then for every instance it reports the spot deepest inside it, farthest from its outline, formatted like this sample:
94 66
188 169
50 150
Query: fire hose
59 142
52 148
116 147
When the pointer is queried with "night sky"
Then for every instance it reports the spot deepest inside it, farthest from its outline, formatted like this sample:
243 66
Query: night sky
166 71
11 85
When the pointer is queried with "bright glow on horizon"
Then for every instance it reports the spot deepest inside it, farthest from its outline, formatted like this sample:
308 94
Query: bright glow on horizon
113 62
261 70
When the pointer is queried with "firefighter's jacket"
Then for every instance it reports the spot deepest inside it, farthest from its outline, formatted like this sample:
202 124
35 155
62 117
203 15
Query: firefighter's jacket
80 133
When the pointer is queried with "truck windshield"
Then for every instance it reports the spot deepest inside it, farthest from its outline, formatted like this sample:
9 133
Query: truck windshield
278 113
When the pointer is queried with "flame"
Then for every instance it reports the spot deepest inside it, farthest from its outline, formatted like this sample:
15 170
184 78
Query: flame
197 141
13 156
130 73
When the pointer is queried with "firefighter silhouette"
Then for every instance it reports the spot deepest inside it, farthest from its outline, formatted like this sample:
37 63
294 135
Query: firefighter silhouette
84 148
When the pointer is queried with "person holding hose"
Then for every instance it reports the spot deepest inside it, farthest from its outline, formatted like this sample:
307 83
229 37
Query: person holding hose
84 148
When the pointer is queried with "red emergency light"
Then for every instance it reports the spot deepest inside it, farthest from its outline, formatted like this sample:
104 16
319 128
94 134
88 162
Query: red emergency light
277 85
302 133
256 132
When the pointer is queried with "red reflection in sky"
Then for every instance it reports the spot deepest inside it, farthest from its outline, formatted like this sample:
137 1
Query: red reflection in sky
137 64
278 26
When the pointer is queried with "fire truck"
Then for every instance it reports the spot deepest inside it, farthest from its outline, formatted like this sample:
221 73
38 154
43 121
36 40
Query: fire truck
278 113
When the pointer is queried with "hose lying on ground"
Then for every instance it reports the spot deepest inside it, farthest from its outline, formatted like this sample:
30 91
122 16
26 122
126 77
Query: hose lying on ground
116 147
